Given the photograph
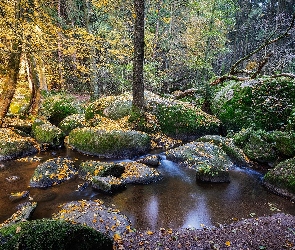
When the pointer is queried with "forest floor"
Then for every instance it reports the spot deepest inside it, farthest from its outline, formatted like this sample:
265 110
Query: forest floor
271 232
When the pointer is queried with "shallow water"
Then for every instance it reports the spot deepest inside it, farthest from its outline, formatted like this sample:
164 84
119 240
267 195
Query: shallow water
175 202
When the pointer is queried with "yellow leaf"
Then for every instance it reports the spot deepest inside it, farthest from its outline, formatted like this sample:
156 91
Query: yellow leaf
150 232
117 237
18 230
227 243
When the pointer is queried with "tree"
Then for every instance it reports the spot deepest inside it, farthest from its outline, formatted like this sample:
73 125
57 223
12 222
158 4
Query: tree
138 84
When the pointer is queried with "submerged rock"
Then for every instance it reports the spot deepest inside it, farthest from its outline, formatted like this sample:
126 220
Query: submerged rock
95 214
53 172
18 196
209 160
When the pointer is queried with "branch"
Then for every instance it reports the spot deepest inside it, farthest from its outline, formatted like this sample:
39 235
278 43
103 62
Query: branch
286 33
283 74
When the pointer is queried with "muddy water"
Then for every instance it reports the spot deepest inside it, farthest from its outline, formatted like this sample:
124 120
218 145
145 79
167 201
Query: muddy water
175 202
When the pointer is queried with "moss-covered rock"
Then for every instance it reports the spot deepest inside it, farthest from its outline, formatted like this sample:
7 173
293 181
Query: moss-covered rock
46 134
235 153
262 104
14 144
109 144
174 118
52 234
95 214
266 147
53 172
209 160
282 178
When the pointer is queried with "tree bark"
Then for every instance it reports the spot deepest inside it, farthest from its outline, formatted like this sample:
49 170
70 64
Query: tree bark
13 66
138 84
35 85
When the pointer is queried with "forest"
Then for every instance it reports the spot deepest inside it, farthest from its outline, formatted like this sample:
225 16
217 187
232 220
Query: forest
107 95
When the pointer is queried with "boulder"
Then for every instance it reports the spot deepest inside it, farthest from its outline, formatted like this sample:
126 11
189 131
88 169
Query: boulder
71 122
52 234
95 214
109 144
115 175
150 160
53 172
210 161
15 145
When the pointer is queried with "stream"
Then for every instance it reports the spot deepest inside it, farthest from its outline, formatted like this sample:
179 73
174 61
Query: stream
177 201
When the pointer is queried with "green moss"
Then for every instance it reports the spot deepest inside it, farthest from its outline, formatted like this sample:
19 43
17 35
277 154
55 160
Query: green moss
47 133
283 175
56 107
71 122
109 143
176 120
52 234
264 104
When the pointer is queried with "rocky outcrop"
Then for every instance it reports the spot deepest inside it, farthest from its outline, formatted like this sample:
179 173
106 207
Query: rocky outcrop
15 144
53 172
46 134
210 161
95 214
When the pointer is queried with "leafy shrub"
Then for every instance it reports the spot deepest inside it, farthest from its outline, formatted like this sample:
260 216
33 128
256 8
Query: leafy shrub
71 122
52 235
283 175
56 107
179 120
264 104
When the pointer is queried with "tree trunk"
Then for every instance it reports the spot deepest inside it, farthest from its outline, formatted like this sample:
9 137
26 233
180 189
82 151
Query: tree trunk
13 67
138 84
35 85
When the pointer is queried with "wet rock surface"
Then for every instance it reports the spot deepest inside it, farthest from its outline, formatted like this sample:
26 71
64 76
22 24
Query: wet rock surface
95 214
210 161
53 172
24 213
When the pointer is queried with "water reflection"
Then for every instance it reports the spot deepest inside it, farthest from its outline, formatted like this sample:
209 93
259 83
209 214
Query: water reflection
177 201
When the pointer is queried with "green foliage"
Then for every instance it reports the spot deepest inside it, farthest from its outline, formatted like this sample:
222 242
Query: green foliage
283 175
58 106
263 104
45 132
111 144
71 122
178 120
52 235
263 146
